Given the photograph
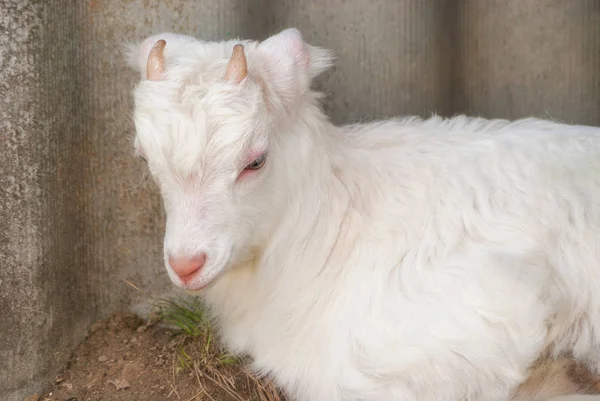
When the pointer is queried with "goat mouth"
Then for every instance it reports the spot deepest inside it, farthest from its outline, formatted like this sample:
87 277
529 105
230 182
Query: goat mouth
197 287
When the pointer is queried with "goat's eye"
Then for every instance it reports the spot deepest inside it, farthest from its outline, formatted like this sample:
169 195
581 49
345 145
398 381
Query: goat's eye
257 163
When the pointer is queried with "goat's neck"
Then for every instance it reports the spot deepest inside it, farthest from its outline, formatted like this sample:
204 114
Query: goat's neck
316 204
298 247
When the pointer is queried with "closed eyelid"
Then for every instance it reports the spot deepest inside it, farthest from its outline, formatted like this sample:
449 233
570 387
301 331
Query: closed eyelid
254 154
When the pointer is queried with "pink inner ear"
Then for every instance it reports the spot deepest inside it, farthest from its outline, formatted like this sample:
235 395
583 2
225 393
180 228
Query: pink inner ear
301 54
298 50
290 43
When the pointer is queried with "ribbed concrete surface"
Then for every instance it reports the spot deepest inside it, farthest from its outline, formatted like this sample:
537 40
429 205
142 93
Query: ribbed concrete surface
77 217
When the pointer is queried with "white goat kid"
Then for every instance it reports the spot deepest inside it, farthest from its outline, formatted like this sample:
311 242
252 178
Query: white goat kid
408 259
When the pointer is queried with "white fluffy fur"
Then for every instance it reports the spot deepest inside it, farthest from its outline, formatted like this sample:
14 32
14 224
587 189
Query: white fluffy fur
400 260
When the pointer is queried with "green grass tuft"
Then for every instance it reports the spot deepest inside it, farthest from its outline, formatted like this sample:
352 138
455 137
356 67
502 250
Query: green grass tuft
198 352
188 314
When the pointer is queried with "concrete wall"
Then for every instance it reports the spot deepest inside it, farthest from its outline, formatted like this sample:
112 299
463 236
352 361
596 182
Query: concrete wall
77 217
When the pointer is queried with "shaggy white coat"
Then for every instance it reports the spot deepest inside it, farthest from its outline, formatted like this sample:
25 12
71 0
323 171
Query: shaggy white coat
401 260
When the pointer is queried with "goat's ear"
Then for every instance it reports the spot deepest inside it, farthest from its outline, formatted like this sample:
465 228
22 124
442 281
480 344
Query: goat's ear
291 61
136 54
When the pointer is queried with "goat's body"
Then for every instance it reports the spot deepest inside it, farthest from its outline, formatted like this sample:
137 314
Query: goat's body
403 260
424 260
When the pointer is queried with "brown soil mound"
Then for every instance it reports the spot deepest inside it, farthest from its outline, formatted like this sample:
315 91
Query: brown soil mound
124 359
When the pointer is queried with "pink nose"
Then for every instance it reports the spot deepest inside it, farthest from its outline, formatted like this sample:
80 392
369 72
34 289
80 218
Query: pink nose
186 267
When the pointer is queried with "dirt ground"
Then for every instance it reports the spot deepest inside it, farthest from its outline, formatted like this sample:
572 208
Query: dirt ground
124 359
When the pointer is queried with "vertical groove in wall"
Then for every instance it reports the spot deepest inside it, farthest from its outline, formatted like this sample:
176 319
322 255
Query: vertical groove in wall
452 19
590 51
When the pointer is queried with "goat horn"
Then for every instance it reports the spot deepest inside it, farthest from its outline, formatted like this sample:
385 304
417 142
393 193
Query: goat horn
237 68
156 61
